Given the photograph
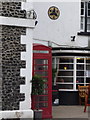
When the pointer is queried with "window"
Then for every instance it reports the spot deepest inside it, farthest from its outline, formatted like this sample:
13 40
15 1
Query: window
71 72
85 16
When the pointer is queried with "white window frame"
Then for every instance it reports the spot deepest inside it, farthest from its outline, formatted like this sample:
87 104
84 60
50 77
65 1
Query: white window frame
75 76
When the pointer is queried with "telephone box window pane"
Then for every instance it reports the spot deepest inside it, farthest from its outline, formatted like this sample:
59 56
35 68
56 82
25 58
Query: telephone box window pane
43 98
40 67
41 73
40 51
46 79
40 61
45 86
45 92
43 105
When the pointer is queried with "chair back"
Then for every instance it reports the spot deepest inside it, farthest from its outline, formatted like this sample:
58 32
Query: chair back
83 90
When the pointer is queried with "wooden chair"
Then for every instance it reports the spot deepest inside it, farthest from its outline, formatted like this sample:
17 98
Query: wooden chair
87 99
83 90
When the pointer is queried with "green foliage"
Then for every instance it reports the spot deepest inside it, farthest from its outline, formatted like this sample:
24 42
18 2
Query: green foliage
37 85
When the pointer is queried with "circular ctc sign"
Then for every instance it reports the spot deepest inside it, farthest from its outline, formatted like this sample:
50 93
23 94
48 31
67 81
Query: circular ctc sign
53 13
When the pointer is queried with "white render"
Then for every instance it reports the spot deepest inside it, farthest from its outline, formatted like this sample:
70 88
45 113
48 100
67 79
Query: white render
27 72
60 30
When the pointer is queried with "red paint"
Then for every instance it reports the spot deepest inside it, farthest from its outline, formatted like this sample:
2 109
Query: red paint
39 66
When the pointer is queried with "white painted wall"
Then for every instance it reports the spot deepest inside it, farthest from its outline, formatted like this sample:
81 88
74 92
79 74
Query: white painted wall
60 30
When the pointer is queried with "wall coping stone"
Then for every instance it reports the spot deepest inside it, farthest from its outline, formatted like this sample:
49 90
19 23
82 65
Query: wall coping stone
20 22
16 114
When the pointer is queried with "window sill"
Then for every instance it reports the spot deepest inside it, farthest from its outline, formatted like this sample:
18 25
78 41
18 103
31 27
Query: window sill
84 33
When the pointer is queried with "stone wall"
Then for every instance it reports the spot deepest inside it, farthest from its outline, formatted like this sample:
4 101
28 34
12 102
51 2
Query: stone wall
11 65
10 57
12 9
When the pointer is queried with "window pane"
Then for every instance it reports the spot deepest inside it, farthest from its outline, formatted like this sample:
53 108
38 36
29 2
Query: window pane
87 67
87 60
42 73
39 67
66 60
88 12
43 98
88 20
87 73
40 51
80 73
40 61
88 27
79 80
64 79
88 5
45 78
80 60
80 85
82 26
82 11
82 4
65 86
82 19
65 73
80 67
66 66
41 105
88 80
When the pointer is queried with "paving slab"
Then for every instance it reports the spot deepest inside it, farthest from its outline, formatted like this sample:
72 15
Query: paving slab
76 112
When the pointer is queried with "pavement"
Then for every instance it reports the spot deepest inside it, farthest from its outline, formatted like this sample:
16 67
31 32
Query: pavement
69 112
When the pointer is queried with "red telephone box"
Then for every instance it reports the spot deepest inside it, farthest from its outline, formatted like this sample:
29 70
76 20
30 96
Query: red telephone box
42 65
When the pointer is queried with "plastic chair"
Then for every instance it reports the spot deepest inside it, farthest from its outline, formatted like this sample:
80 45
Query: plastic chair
83 90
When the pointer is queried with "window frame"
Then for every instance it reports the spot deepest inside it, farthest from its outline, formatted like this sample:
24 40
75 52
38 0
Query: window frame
84 25
77 79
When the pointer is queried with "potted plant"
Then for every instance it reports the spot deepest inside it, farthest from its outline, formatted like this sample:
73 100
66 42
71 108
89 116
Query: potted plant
37 90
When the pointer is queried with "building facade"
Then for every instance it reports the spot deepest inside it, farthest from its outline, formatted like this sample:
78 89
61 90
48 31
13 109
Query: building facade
66 27
16 32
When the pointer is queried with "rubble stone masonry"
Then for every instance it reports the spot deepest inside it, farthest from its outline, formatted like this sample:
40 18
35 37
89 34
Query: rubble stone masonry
12 9
11 65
